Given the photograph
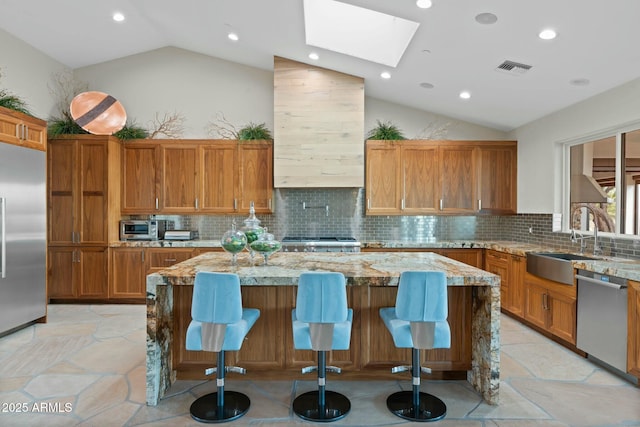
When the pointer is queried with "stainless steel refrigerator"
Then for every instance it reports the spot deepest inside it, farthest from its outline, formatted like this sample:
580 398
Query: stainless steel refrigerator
22 236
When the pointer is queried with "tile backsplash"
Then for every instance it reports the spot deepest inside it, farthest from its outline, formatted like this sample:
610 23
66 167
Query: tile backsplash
340 212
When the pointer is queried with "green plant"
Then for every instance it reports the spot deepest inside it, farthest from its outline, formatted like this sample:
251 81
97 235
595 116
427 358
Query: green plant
12 102
131 131
64 126
254 131
385 131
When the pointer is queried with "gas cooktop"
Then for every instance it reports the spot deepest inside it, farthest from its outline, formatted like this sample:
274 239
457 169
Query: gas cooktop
318 239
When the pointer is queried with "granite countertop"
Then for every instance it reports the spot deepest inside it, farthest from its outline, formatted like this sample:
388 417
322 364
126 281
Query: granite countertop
613 266
364 268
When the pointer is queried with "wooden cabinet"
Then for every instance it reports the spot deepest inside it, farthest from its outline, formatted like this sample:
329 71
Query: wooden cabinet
128 273
551 306
77 273
197 176
420 177
497 178
633 329
83 179
160 258
83 201
21 129
140 178
511 269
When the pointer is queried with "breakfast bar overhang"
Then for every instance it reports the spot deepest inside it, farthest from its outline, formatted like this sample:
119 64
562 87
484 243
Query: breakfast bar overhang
372 279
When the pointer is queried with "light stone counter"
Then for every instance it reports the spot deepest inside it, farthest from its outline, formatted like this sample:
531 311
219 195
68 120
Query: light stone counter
360 269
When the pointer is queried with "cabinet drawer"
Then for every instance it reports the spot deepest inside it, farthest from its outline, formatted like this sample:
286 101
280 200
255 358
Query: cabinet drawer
162 258
497 257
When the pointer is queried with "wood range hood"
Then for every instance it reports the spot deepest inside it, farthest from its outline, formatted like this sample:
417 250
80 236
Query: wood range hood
318 127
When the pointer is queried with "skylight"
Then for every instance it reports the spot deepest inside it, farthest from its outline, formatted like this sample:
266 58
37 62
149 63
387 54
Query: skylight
356 31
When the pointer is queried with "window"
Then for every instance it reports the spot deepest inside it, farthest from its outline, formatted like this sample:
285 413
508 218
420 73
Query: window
605 181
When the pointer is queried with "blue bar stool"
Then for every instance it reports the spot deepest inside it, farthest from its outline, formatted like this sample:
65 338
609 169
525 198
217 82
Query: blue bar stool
418 321
321 322
219 324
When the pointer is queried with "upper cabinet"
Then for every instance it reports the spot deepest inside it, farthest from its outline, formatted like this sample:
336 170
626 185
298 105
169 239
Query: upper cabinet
83 189
21 129
196 176
415 177
318 126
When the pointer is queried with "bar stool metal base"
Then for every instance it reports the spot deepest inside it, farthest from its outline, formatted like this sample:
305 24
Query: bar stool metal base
205 409
306 406
431 408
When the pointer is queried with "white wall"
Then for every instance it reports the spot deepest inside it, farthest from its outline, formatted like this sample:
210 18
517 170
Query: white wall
539 143
27 72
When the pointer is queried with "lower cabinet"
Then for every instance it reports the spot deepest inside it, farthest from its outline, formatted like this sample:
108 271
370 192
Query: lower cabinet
268 348
633 329
511 269
551 306
77 273
128 271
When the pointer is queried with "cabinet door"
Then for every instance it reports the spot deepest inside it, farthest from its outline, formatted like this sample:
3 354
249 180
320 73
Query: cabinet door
633 328
420 179
497 179
219 171
140 178
179 179
20 129
93 278
127 273
498 263
9 129
517 270
472 257
61 282
256 175
536 305
457 179
562 316
91 204
61 180
383 177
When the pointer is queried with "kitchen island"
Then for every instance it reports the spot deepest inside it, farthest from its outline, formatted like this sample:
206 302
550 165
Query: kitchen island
372 279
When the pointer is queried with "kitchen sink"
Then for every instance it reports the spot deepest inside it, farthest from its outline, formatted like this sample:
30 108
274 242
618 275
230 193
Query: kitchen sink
556 266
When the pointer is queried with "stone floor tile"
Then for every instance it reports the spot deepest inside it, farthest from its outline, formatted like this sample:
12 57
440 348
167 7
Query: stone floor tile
62 330
114 355
13 384
548 360
136 377
54 385
105 393
511 406
118 415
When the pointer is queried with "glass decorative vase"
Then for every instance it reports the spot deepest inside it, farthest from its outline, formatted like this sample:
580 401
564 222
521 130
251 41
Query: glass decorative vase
266 245
252 230
233 241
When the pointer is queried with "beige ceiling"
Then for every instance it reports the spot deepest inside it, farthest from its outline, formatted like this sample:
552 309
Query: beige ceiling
596 41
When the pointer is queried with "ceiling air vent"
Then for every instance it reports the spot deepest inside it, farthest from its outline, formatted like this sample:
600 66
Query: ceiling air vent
513 68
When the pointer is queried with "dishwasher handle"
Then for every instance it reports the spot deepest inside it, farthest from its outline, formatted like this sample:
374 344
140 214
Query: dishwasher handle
599 282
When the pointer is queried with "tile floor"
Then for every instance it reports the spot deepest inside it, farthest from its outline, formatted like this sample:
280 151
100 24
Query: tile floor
86 367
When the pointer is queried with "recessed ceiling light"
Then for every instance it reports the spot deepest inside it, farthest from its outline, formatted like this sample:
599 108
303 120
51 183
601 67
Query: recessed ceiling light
385 75
486 18
547 34
465 95
424 4
118 17
233 36
426 85
313 56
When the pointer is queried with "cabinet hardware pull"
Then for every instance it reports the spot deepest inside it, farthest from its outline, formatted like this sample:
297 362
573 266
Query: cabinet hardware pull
402 204
18 131
441 204
369 204
196 203
142 256
479 204
26 132
157 204
3 238
170 260
235 204
269 203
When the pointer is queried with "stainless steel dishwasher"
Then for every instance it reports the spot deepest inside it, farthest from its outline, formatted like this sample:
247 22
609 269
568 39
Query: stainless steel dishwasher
602 318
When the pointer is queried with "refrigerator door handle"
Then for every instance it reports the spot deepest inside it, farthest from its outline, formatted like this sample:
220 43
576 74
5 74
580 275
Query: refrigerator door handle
3 238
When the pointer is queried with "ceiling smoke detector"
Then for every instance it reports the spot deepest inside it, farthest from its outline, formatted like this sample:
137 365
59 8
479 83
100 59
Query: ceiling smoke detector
513 68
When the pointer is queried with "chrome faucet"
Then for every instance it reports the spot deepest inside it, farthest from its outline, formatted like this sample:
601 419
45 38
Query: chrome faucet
597 250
